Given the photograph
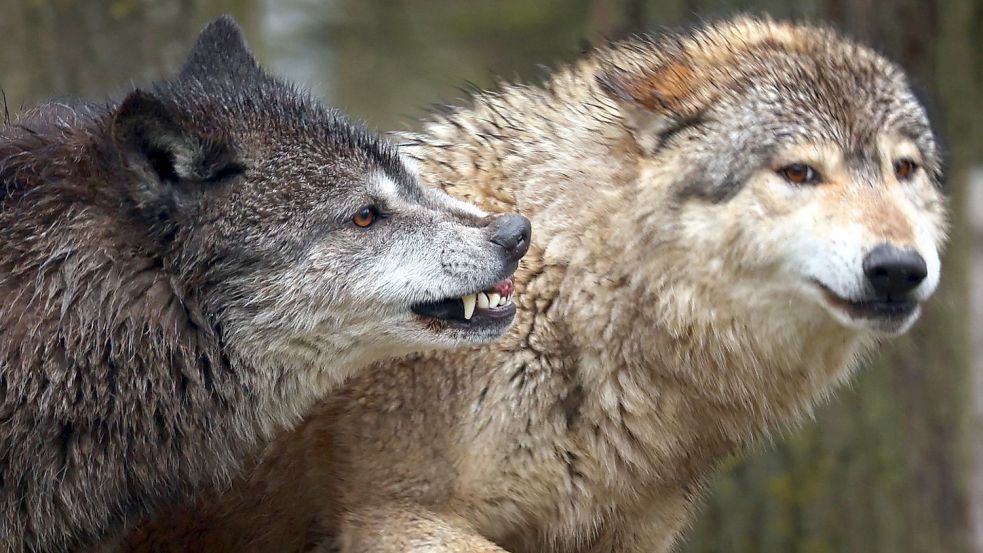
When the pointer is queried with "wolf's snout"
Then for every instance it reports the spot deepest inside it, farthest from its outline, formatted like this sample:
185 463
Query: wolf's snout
893 271
512 232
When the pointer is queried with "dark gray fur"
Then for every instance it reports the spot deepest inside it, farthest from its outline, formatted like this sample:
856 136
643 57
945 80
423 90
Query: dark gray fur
137 244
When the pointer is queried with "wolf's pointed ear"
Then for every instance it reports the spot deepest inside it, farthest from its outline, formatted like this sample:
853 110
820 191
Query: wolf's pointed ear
656 100
220 51
165 149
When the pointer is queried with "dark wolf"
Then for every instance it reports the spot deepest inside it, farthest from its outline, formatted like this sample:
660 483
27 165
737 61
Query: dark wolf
183 273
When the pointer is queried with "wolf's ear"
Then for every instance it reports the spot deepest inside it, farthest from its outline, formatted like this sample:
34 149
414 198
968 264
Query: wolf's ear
657 100
164 147
220 52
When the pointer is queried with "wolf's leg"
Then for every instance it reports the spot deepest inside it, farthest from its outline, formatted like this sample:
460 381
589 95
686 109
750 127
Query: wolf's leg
408 529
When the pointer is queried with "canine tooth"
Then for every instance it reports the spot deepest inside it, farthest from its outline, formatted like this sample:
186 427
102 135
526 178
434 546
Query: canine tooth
482 300
469 302
493 299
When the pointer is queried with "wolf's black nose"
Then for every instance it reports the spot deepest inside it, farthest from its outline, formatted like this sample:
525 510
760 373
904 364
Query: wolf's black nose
512 232
894 272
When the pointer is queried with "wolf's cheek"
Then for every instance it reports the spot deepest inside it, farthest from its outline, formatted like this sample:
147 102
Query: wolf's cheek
409 264
789 229
830 256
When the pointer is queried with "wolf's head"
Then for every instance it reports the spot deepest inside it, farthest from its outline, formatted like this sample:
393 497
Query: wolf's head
307 239
804 172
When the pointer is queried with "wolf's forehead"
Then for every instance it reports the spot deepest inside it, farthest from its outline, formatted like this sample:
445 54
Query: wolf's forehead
838 108
296 125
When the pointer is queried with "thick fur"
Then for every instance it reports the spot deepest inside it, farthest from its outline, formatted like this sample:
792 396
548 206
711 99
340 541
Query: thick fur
180 278
683 298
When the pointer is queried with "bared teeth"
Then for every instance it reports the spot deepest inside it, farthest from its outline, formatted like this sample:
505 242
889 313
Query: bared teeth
483 300
469 305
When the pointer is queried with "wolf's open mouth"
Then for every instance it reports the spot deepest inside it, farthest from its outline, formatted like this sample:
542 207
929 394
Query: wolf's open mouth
874 308
494 302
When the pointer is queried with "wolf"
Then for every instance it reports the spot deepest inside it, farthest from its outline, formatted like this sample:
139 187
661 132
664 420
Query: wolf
727 218
183 273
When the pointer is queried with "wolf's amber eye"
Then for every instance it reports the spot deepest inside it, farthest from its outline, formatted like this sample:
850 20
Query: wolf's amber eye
365 216
904 169
799 173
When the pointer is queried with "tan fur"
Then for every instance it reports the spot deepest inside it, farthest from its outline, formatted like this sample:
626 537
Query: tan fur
657 332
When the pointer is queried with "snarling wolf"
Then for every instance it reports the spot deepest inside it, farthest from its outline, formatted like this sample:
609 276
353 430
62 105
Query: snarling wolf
183 273
726 219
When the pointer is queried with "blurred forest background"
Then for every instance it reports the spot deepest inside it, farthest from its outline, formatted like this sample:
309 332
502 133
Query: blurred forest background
893 464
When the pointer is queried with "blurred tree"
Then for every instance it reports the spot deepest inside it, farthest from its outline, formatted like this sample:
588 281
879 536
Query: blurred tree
62 48
453 43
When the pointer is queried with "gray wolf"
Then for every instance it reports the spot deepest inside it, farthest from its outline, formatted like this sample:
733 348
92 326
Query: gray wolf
726 220
183 273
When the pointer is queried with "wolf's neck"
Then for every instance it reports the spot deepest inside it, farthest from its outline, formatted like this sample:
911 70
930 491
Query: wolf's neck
286 387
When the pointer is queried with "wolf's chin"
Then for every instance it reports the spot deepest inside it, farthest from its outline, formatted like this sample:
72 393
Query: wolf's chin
889 326
884 317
